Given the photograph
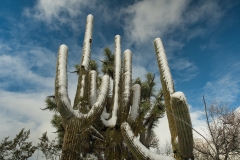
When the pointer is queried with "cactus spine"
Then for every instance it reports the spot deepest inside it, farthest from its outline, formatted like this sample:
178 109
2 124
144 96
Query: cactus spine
90 108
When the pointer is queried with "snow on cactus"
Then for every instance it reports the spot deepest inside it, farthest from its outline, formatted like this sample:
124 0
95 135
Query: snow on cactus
89 113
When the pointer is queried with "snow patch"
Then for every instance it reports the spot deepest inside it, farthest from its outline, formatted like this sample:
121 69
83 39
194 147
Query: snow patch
86 53
61 81
136 100
179 95
83 85
93 87
117 66
127 74
141 148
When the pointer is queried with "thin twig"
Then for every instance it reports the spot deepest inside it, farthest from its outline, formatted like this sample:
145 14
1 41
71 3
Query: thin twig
59 130
44 108
208 123
72 71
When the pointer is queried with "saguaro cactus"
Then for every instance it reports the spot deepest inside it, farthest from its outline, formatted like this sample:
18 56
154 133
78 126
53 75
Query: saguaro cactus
89 110
176 107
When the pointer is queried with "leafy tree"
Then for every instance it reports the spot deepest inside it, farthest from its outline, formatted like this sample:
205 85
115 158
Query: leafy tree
151 109
18 148
50 149
223 139
108 63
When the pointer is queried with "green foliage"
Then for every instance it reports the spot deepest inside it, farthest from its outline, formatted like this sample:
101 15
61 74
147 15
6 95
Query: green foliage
108 63
50 149
17 148
151 109
92 66
57 124
51 104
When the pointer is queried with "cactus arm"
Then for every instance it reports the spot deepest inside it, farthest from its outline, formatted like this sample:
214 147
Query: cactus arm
86 55
185 136
97 108
163 65
127 78
61 84
61 90
137 148
176 107
135 104
93 87
167 86
117 74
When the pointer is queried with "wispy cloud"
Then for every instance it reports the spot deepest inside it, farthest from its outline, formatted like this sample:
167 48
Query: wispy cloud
184 68
225 89
25 66
68 13
157 18
63 11
22 110
225 85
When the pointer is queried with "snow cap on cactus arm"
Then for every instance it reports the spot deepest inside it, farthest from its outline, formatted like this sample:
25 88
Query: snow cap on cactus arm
93 87
183 124
86 51
97 108
61 83
127 75
117 74
137 148
61 91
126 87
163 64
135 103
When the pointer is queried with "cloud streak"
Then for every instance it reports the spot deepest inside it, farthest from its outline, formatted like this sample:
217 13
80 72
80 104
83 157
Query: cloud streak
146 19
62 11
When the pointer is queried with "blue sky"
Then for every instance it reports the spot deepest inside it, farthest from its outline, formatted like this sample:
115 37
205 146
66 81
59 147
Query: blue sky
201 40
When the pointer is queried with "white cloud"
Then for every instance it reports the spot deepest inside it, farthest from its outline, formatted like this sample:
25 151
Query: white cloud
46 10
22 109
184 68
71 13
183 64
147 20
61 11
205 10
152 18
138 71
225 89
26 65
162 130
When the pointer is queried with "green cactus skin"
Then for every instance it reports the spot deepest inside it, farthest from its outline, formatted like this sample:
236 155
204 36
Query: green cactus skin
167 86
185 136
176 107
